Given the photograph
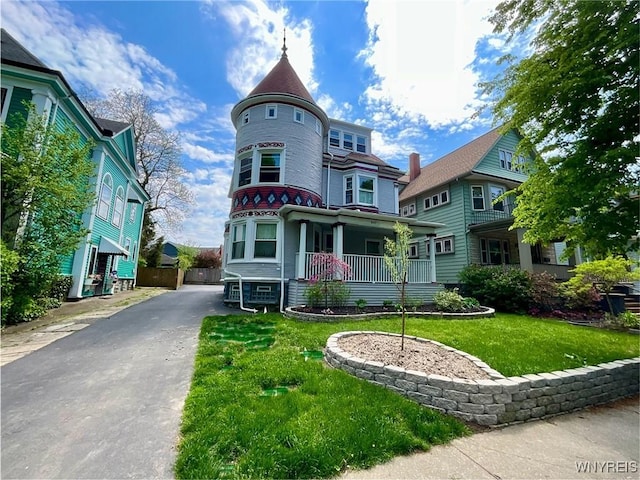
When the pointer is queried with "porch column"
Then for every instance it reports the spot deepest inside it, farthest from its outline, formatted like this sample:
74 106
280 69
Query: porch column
524 251
432 256
302 248
338 239
578 255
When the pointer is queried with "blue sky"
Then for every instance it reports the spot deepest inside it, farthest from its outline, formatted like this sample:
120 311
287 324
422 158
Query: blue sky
408 69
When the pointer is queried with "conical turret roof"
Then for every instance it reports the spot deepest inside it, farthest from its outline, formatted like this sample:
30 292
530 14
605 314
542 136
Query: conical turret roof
282 79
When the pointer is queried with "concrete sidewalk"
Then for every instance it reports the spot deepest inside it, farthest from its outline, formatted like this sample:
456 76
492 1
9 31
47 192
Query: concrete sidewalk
597 443
16 341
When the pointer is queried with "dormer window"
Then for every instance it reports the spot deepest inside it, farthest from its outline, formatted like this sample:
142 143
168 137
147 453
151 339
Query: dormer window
347 142
361 144
298 115
272 111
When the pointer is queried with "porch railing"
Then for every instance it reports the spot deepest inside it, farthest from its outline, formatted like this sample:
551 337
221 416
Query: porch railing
371 268
493 214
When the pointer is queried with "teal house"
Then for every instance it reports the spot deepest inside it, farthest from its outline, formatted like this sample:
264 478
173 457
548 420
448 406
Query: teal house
460 191
106 262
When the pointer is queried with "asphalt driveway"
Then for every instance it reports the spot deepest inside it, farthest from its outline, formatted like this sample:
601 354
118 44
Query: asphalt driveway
106 401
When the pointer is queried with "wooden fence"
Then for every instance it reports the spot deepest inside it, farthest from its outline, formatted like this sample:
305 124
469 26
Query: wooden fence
160 277
203 275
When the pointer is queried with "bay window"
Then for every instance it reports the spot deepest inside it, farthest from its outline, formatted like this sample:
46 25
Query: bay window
238 241
266 240
269 167
366 190
244 176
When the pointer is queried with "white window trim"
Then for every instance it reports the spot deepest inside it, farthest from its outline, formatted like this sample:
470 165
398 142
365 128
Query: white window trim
437 195
246 117
344 147
100 201
358 144
240 159
127 247
275 111
375 190
257 162
414 250
404 211
7 102
295 113
232 229
484 202
412 209
339 138
503 189
356 189
115 206
254 229
250 241
441 242
318 127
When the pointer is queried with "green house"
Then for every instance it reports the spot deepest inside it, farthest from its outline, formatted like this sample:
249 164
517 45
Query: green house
460 191
106 261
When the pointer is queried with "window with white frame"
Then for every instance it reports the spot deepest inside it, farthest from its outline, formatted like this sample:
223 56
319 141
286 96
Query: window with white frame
127 246
442 245
436 199
413 250
373 247
3 97
494 251
318 127
509 161
412 208
404 211
361 144
244 174
347 141
271 111
106 191
366 190
239 232
298 115
245 117
269 167
118 208
132 212
408 210
334 138
348 189
266 240
477 197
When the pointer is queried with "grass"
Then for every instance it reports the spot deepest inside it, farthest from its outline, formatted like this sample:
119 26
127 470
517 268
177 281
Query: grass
234 426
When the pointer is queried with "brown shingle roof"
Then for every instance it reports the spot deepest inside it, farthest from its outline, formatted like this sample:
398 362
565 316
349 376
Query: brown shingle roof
282 79
453 165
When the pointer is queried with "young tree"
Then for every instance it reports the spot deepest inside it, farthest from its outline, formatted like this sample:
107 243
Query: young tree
329 272
208 259
46 187
158 154
396 258
186 256
575 99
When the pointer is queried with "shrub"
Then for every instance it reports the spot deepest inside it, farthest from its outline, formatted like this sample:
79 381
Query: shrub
60 287
505 289
9 260
470 303
448 301
629 320
329 294
545 292
361 303
314 294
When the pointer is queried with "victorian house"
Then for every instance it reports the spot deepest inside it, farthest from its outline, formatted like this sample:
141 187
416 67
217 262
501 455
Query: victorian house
302 184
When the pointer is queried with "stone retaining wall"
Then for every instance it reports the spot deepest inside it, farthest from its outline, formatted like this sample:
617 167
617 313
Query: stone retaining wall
290 312
499 400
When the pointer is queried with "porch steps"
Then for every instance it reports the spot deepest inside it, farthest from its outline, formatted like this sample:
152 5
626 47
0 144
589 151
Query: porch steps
632 303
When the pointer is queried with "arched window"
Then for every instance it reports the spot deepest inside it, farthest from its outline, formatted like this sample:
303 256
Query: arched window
118 209
106 190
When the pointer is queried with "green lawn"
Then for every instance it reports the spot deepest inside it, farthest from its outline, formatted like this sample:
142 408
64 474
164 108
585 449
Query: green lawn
239 422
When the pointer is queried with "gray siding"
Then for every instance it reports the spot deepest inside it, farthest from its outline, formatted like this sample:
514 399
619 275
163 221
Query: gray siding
254 269
374 294
303 156
385 193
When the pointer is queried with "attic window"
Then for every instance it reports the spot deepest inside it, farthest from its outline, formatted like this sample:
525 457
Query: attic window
298 115
272 111
440 198
334 138
347 142
361 144
245 117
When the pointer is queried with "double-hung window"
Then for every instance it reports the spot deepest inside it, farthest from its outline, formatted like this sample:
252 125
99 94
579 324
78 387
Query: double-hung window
106 190
506 158
347 141
244 175
495 194
361 144
334 138
477 197
298 115
238 240
272 111
118 208
269 167
366 192
348 189
266 240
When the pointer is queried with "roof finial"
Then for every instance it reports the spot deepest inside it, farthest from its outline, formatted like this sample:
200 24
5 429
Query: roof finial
284 43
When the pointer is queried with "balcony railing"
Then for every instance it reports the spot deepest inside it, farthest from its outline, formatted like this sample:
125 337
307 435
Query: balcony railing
371 268
501 211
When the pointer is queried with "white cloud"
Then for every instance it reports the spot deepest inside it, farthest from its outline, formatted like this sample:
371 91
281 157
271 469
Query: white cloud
258 29
333 109
203 154
420 52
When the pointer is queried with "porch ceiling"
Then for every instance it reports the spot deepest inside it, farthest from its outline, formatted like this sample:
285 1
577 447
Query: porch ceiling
355 218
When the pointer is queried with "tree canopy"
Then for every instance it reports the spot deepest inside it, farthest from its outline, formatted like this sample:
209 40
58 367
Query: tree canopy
46 188
575 99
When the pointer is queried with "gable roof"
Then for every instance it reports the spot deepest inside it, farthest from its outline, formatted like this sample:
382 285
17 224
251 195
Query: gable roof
13 52
282 79
456 164
111 125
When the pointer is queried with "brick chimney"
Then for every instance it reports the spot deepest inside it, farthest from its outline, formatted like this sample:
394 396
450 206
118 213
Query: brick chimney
414 166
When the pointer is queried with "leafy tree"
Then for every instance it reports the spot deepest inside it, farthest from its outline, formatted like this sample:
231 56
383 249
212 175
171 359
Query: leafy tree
186 256
396 258
575 99
153 253
605 274
9 261
46 187
207 259
158 154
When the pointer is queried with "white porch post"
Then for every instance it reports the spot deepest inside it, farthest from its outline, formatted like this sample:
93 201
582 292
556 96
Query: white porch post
432 257
524 251
338 239
302 248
